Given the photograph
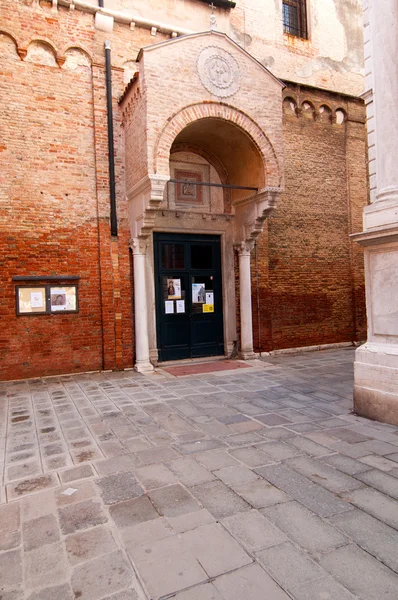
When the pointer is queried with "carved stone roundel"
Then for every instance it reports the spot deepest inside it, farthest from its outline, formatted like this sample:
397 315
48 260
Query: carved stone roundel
218 71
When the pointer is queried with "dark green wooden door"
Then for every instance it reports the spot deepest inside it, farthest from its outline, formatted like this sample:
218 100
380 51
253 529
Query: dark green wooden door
188 296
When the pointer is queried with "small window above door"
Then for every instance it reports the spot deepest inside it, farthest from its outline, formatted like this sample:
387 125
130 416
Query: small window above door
173 256
201 256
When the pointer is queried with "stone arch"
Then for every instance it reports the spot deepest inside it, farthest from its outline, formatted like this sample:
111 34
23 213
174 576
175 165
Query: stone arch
8 45
76 57
290 106
325 113
42 52
223 112
308 109
340 116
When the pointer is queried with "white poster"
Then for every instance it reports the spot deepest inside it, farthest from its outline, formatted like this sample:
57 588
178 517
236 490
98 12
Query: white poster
169 307
209 298
36 299
180 306
198 293
58 299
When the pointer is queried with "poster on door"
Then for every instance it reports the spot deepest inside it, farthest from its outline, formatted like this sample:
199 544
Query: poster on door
198 293
174 289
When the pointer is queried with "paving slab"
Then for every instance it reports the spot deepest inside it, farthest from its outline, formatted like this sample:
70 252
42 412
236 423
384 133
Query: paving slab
250 583
361 574
325 588
81 516
39 532
215 549
89 544
173 501
179 568
289 565
380 481
260 493
104 575
253 531
46 565
377 504
372 535
118 487
311 495
133 512
206 591
345 464
304 527
323 474
219 499
189 472
58 592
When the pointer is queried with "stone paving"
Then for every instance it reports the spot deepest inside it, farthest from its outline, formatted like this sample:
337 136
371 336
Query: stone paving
256 484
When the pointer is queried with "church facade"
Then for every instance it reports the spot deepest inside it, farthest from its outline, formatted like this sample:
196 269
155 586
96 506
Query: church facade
179 181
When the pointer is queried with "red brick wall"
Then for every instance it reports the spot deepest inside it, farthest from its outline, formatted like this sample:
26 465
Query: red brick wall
310 274
54 216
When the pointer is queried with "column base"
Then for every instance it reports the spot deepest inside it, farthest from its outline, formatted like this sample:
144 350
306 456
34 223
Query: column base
143 367
247 355
376 383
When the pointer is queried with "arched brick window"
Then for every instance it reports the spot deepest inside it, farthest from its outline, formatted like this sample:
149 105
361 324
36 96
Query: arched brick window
295 18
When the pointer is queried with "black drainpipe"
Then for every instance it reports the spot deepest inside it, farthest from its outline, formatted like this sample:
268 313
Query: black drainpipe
101 3
111 151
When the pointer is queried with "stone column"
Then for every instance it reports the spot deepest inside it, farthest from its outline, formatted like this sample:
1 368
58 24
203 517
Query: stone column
376 362
246 325
384 24
142 362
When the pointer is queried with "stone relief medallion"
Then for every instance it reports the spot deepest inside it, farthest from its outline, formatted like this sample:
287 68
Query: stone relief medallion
218 71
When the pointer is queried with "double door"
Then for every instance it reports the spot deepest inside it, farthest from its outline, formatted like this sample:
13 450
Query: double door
188 296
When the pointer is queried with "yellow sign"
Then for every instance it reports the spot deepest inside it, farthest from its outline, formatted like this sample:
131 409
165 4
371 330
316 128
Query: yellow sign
208 308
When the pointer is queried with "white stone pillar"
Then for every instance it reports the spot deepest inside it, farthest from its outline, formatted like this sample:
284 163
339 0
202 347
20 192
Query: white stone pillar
246 324
142 362
384 24
376 362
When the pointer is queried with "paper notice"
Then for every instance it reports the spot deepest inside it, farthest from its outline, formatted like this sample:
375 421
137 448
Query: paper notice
180 306
169 307
36 299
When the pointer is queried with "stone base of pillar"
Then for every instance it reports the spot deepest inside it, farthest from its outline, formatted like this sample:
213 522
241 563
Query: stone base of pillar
246 355
376 383
143 367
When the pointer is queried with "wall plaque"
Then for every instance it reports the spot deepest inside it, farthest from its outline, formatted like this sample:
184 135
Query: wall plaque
218 71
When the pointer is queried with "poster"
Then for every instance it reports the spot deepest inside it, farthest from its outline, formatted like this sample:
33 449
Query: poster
209 298
180 305
31 300
37 299
208 308
169 307
58 299
63 298
174 289
198 293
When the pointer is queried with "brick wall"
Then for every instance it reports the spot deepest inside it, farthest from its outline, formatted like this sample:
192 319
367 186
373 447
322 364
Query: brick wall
54 216
310 275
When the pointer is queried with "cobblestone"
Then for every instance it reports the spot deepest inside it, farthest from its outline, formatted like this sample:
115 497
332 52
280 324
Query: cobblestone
210 487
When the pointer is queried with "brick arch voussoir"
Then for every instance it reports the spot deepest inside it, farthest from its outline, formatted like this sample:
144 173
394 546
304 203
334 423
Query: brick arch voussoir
195 112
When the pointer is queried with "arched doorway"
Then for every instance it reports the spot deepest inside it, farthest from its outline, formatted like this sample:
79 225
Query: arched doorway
203 161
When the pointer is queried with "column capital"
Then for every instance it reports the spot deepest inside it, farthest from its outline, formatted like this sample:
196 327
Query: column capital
244 248
139 245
